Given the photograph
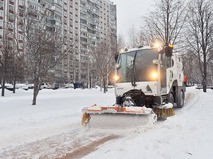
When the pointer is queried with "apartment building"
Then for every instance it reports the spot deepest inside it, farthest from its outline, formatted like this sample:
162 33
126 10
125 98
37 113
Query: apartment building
108 22
10 12
71 33
82 23
65 20
98 23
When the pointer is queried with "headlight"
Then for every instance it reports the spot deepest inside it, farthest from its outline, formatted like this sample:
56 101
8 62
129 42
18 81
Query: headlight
154 75
157 44
116 78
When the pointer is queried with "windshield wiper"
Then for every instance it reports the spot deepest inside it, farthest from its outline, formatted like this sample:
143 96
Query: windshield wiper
133 72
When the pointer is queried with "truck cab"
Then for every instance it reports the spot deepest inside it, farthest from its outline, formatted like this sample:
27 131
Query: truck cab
150 77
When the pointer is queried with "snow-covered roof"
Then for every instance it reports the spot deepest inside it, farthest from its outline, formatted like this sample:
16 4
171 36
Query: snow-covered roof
135 49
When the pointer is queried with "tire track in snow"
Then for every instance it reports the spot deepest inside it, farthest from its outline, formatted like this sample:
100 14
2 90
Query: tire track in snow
190 99
85 150
58 145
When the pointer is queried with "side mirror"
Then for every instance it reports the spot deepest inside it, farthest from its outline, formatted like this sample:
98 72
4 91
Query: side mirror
116 56
168 51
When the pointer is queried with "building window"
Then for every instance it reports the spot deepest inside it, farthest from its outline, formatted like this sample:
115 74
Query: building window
11 17
1 33
1 5
1 23
11 8
1 13
21 2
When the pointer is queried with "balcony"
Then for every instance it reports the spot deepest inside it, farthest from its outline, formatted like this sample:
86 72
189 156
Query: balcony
84 36
11 20
21 7
83 10
83 48
96 12
91 29
11 2
83 29
11 11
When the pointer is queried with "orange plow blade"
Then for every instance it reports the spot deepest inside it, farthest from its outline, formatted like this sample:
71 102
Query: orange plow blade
116 117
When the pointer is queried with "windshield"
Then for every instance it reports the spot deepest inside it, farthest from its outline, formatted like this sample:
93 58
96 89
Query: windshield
137 65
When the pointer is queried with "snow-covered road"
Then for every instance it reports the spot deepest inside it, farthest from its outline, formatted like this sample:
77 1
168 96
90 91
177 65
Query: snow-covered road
186 135
52 129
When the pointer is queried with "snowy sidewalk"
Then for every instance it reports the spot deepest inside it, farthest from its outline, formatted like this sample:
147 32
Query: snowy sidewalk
53 128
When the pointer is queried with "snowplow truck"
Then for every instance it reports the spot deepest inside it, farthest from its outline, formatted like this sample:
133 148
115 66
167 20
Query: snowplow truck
148 85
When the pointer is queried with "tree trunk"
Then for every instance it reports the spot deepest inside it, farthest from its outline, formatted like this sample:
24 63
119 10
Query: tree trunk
204 74
14 85
204 85
90 82
205 80
104 85
101 84
3 87
35 91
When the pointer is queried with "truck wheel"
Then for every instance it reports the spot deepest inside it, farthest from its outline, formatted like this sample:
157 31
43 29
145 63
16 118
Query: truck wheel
171 98
180 102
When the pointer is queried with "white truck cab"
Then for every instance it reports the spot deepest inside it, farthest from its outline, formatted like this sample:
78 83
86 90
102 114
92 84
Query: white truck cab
150 77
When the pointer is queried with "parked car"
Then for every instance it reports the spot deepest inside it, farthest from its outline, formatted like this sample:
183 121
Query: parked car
69 85
78 85
110 86
55 86
9 86
22 86
44 85
30 86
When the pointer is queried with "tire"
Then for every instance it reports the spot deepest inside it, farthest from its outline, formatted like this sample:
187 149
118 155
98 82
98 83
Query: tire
171 98
180 102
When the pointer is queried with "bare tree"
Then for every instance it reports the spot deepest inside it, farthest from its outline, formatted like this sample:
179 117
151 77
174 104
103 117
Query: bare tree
143 38
133 37
5 61
200 34
121 44
137 37
8 55
103 58
43 48
166 21
12 49
190 64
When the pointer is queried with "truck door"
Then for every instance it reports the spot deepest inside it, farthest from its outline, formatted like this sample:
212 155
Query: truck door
166 63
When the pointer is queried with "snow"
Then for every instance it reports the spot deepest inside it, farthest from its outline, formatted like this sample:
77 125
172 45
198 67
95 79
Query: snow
53 128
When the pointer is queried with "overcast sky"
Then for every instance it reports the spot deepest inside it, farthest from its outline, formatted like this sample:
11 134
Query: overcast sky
130 12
